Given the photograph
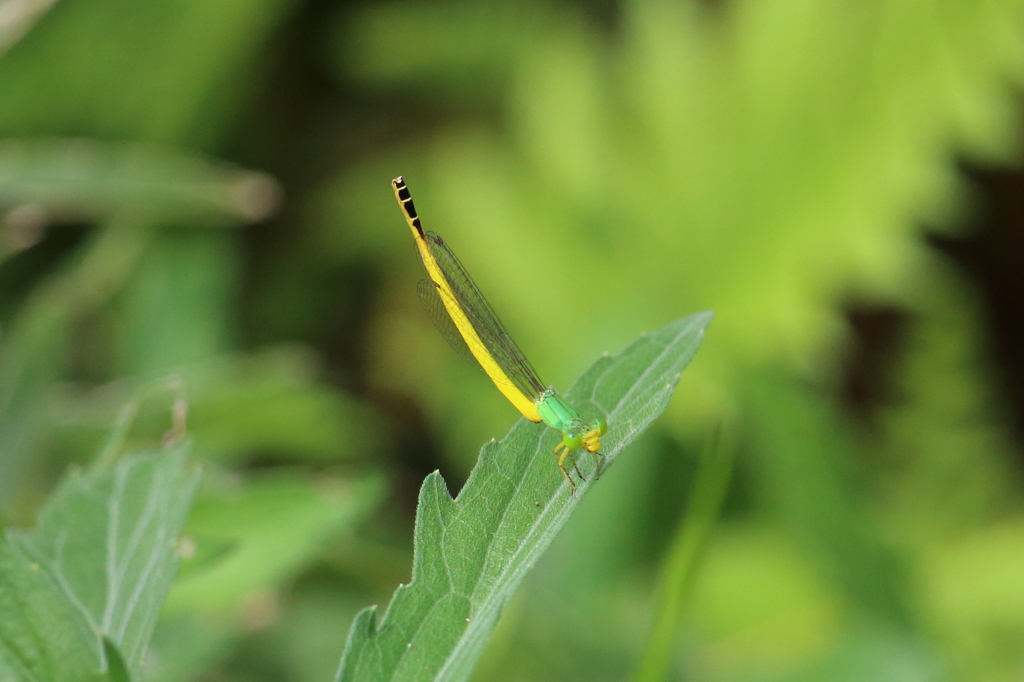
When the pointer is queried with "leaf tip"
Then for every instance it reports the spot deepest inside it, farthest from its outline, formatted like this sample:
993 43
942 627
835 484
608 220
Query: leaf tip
364 628
366 621
434 489
114 663
433 510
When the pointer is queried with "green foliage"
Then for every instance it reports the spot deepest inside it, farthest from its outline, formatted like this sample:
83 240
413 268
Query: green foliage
253 538
473 551
81 180
271 401
42 635
599 167
805 484
107 539
82 591
775 161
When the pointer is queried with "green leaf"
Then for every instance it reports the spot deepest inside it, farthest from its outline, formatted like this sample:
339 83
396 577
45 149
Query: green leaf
470 553
42 637
268 401
106 538
80 179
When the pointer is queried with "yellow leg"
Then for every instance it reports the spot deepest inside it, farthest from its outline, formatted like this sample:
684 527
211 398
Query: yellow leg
561 465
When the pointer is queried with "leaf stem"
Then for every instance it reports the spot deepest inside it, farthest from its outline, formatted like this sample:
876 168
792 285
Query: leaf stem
114 441
691 540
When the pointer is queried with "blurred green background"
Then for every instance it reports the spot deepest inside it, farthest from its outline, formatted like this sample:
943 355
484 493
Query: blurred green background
203 188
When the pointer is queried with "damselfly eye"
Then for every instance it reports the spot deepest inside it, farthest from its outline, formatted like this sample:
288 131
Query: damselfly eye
572 440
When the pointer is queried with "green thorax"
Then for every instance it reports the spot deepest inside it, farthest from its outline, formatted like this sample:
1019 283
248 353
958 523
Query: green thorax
555 412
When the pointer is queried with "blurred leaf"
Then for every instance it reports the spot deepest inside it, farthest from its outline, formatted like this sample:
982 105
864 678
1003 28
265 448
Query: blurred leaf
128 181
170 72
107 538
760 603
251 539
270 402
973 598
765 613
35 340
878 655
976 577
468 69
310 642
175 308
947 436
472 552
803 458
275 401
42 636
184 646
293 417
87 180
